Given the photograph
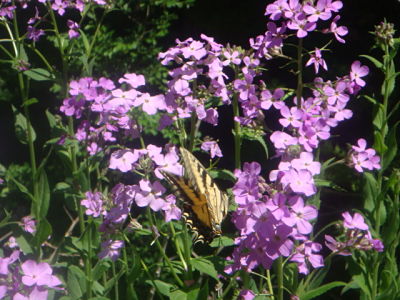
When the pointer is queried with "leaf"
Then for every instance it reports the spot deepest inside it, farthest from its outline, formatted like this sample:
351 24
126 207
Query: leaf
162 287
43 200
389 84
327 183
376 62
205 266
321 290
178 295
223 174
21 127
24 244
39 74
30 101
222 241
43 231
76 282
61 187
21 187
370 99
100 268
51 119
193 294
391 143
370 187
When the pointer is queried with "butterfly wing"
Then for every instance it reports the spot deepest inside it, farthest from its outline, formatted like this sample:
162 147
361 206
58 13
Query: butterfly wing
213 202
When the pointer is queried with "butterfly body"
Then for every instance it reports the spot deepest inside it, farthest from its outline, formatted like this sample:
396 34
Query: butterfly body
205 205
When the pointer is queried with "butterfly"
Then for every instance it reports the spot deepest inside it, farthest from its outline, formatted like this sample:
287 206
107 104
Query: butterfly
204 204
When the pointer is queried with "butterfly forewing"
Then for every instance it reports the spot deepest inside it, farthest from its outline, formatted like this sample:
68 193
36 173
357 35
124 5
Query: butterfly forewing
204 204
203 183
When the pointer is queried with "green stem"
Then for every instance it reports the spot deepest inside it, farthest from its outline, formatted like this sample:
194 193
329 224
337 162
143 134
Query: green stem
279 275
299 90
270 288
116 289
160 248
237 132
383 131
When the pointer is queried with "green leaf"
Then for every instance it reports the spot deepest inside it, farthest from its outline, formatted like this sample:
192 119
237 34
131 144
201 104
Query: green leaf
370 99
376 62
162 287
389 84
100 268
30 101
205 266
321 290
24 244
43 231
370 192
223 174
193 294
178 295
391 143
85 40
21 187
61 187
111 283
327 183
222 241
43 200
39 74
51 118
21 127
76 282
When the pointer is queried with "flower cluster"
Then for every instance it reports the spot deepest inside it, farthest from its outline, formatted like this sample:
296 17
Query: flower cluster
273 218
362 158
269 223
25 280
145 193
111 105
356 236
34 32
298 16
198 76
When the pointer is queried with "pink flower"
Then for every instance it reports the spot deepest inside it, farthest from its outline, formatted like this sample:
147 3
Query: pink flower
355 222
123 160
358 71
317 60
39 274
213 147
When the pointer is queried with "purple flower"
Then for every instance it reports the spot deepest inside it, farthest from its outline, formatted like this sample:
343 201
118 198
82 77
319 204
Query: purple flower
111 249
36 294
172 212
150 104
317 60
149 195
246 295
338 31
73 29
39 274
358 71
94 204
213 147
59 6
355 222
28 224
305 253
123 160
34 34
